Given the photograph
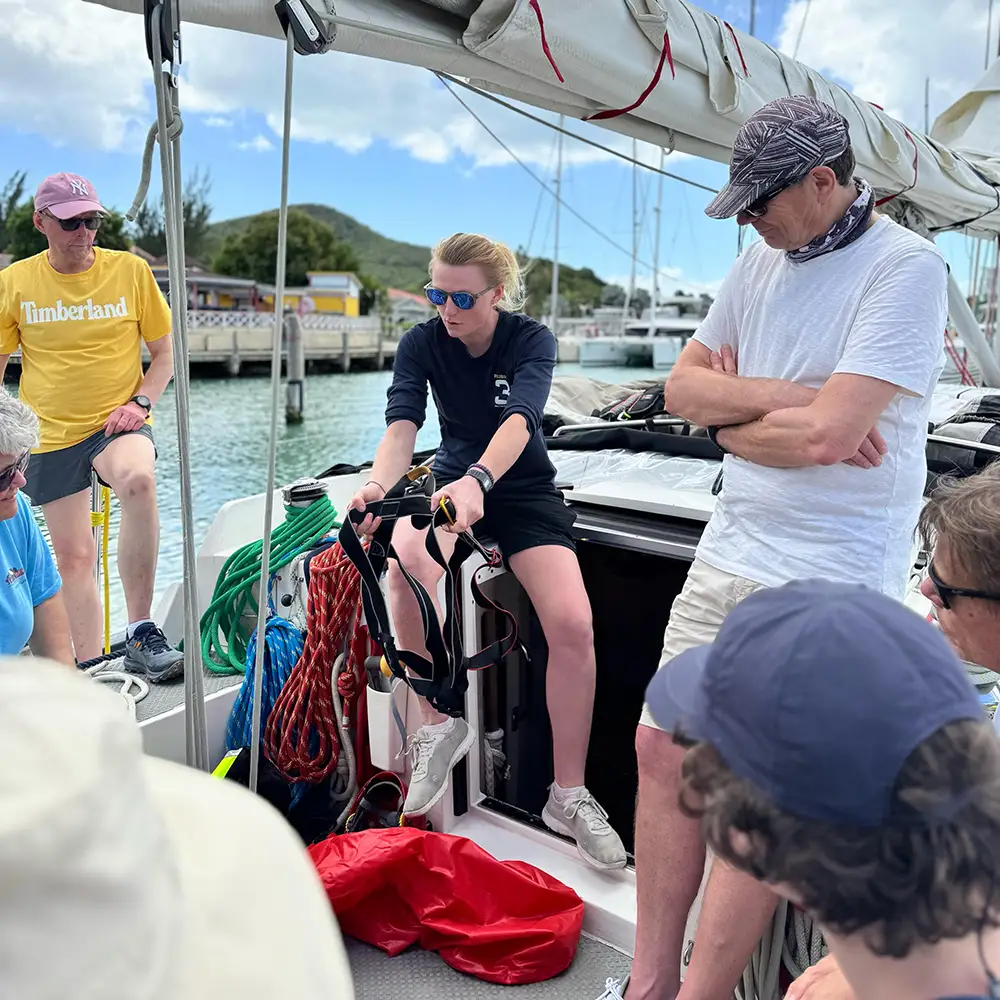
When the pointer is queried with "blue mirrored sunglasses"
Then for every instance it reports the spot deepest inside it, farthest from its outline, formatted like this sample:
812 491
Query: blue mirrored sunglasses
464 300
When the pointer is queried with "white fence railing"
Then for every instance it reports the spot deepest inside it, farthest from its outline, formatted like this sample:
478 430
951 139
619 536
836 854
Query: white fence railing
222 319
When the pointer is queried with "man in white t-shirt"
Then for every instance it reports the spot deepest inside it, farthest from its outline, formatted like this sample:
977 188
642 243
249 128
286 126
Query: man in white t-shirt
814 371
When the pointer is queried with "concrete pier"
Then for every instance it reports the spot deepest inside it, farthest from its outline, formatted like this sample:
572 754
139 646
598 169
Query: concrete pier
238 342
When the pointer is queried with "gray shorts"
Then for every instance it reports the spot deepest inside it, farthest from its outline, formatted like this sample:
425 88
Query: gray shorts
53 475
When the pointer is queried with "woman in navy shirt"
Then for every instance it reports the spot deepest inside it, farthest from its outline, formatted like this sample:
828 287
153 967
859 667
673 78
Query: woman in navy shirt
490 369
32 611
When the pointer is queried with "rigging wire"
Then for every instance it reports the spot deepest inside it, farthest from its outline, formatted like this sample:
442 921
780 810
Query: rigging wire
445 78
538 203
538 180
802 27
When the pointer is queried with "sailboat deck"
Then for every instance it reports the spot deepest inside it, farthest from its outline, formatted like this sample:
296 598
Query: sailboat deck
424 975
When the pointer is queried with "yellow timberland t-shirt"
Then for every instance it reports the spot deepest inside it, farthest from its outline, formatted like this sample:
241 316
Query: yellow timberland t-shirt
80 337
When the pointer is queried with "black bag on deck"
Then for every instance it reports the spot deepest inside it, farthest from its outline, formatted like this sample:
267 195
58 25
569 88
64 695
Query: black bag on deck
635 406
977 421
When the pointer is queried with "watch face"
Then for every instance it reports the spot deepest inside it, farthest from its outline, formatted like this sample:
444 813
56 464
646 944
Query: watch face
142 401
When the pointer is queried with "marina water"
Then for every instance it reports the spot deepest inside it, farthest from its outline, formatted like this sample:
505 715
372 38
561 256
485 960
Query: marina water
344 422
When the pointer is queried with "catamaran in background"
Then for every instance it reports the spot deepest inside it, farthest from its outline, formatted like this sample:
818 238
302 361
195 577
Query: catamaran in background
667 73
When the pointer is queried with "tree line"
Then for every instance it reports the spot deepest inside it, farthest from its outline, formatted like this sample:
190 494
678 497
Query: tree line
251 252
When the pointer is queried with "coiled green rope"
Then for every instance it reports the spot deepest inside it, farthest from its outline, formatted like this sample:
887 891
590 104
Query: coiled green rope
229 621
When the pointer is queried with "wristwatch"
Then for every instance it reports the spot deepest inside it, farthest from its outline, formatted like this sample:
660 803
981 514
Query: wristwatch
481 475
713 437
142 401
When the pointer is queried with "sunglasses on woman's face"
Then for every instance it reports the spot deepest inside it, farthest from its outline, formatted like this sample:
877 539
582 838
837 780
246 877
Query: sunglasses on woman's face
464 300
92 222
7 475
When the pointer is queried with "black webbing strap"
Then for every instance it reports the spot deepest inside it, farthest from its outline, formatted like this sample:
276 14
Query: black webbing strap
443 678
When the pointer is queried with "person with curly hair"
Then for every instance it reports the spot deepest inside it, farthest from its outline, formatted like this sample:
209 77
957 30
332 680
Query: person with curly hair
855 773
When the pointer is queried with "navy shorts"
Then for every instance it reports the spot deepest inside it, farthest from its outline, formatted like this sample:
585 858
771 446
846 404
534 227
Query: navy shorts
53 475
517 521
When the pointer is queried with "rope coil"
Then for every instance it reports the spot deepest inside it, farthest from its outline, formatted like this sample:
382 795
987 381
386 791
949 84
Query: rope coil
283 648
225 625
304 733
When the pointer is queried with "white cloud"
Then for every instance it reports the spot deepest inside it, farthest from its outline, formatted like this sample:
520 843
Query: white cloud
99 95
74 73
884 51
259 144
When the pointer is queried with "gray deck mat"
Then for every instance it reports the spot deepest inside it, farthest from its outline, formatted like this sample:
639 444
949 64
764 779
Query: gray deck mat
170 694
424 975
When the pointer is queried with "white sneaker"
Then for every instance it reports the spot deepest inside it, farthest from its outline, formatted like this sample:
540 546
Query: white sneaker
435 753
587 823
614 989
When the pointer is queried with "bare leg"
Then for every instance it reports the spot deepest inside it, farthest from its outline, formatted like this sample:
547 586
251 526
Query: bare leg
735 912
127 465
669 850
406 621
68 521
669 865
564 613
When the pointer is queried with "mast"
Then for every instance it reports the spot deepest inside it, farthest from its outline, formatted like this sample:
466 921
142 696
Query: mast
554 300
656 251
635 227
753 15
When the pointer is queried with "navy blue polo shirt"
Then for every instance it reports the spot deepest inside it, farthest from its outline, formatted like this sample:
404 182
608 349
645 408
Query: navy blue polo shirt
474 396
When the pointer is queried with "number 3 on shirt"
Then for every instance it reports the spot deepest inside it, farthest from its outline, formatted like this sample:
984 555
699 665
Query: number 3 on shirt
503 390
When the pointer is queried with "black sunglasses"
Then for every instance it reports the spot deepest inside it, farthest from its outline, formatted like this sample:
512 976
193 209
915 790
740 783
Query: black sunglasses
947 593
92 222
7 475
759 207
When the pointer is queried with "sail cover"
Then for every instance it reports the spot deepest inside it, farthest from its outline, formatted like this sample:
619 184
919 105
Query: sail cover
663 71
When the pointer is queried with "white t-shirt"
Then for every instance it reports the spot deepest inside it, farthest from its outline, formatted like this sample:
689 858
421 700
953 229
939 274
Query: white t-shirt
878 307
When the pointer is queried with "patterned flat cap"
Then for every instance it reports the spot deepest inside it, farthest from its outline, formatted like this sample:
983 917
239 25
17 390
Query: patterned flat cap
777 146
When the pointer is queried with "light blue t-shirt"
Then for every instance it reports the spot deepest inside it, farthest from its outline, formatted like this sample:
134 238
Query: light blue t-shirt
28 576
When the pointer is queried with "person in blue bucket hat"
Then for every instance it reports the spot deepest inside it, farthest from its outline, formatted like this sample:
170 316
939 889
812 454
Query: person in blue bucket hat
854 771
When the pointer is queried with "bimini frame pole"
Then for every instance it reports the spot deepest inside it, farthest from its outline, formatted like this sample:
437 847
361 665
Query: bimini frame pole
163 32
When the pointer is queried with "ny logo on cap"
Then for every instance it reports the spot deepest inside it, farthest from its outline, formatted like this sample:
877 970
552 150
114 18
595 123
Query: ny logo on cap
79 186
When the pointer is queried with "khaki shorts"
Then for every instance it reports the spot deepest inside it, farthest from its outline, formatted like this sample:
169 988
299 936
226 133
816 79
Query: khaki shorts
708 595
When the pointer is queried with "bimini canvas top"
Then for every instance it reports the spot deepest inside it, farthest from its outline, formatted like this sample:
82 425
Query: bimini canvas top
663 71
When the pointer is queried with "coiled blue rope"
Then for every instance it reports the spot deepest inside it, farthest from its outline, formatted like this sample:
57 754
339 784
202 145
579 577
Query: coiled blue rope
282 649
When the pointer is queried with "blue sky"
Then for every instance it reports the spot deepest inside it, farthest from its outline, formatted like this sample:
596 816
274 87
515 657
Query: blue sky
389 146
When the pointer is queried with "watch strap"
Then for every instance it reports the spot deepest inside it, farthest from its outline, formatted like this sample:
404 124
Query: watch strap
713 437
482 475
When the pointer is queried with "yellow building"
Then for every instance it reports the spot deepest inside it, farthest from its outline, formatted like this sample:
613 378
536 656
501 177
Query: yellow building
336 292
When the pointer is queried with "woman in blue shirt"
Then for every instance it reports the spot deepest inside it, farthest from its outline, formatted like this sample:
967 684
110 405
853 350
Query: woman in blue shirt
490 370
32 612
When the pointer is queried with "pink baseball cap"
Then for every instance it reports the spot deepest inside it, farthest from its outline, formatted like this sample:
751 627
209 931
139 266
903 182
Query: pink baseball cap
67 195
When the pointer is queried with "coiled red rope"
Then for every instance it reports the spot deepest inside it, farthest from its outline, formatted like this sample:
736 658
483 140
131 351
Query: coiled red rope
302 738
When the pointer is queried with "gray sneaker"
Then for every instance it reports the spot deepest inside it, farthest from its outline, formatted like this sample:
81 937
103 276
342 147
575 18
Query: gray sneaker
587 823
614 989
434 755
148 653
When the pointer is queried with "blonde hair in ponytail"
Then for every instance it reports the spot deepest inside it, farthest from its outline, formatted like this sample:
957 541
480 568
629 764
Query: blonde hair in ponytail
497 261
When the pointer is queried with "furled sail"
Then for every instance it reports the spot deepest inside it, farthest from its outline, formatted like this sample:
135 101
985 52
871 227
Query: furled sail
663 71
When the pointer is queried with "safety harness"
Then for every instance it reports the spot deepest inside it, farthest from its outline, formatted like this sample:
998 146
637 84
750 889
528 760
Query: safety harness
442 679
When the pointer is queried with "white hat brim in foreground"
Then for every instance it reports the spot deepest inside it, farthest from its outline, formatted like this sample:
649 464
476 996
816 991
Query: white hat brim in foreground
125 877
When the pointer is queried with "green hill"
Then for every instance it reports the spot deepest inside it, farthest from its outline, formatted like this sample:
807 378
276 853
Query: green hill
394 264
404 265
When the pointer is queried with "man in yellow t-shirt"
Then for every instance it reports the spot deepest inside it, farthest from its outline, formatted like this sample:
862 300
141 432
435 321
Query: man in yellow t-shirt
80 315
